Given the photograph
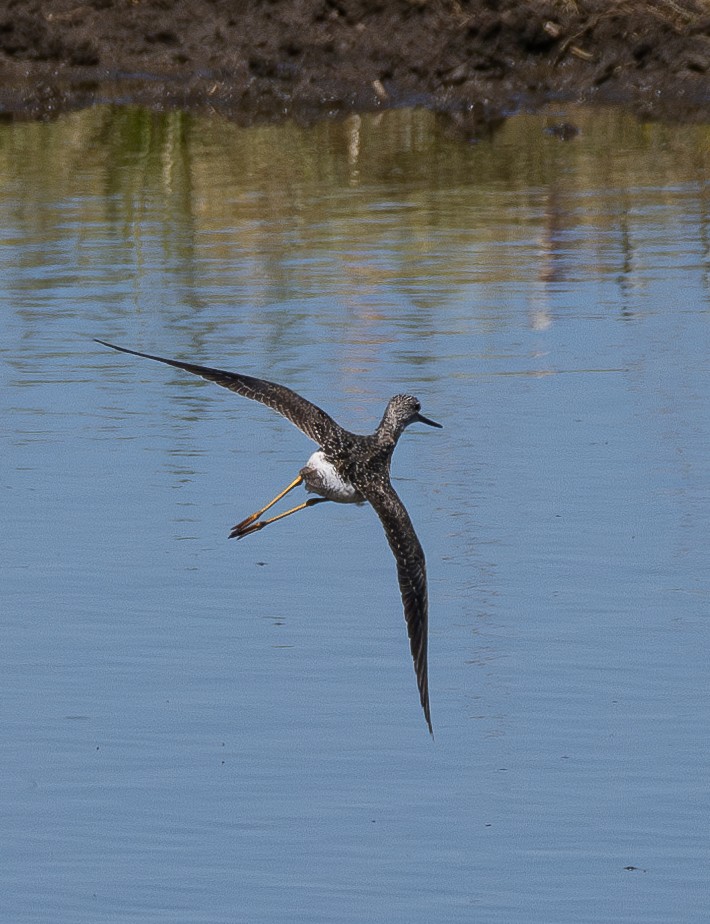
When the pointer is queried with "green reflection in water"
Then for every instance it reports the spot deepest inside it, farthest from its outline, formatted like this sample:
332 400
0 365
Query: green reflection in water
207 172
201 209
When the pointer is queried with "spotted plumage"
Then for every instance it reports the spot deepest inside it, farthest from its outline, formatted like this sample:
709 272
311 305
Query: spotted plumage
347 468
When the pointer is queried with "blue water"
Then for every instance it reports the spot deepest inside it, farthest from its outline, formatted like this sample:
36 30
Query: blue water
199 730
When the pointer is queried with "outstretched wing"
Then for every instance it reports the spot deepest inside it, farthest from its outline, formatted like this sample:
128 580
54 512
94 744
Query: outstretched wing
314 422
411 572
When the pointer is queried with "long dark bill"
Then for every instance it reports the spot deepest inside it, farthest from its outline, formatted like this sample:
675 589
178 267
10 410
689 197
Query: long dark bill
430 423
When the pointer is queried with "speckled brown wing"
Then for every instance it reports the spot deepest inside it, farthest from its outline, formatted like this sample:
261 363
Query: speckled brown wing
411 572
309 418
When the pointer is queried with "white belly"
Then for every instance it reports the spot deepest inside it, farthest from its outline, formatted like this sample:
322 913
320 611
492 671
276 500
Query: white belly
321 478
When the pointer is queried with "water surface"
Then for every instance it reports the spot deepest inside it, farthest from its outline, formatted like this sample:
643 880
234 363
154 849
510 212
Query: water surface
200 730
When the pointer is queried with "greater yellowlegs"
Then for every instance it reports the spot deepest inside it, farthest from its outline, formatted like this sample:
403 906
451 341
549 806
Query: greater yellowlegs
348 469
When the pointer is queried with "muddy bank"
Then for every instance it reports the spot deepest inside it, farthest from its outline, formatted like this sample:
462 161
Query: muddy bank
308 58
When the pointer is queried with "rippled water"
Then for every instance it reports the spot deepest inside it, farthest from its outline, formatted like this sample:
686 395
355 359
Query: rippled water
201 730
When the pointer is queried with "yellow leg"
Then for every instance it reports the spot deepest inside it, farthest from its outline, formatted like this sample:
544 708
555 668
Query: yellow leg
249 526
238 529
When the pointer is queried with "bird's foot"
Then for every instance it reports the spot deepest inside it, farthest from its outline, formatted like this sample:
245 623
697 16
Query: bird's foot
245 527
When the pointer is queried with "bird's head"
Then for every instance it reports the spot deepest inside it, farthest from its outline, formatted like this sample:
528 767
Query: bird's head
401 411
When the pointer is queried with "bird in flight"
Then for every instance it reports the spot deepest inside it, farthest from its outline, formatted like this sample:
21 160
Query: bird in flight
349 469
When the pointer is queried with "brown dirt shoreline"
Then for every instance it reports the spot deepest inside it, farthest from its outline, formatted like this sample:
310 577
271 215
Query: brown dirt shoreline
269 59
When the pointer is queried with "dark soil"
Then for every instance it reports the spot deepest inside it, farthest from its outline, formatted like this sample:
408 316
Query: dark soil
255 59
